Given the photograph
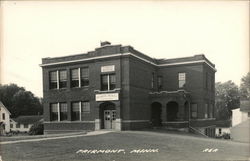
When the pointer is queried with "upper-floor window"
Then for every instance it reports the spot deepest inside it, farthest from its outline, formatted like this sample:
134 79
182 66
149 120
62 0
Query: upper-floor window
152 80
108 82
80 77
3 116
53 80
182 79
206 111
84 77
74 77
194 110
62 79
58 79
159 82
17 125
11 125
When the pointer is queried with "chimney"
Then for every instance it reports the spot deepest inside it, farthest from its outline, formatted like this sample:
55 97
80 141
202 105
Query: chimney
104 43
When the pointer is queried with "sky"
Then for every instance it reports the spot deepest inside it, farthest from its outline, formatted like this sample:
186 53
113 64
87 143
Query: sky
32 30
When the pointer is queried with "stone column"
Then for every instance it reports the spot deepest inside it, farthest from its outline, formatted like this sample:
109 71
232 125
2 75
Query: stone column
181 113
118 120
163 113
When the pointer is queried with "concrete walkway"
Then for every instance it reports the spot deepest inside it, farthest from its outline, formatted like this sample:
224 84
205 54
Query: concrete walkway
54 138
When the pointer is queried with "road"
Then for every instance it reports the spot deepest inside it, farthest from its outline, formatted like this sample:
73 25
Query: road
125 146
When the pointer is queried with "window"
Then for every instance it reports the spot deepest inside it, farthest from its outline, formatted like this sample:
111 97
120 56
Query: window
206 111
17 125
159 82
3 116
76 111
74 77
182 79
194 109
53 80
63 112
211 111
220 131
11 125
108 82
4 126
54 112
62 79
248 114
206 81
152 80
26 126
84 77
85 107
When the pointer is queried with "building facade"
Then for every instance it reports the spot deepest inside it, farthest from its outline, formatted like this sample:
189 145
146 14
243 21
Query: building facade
117 87
4 119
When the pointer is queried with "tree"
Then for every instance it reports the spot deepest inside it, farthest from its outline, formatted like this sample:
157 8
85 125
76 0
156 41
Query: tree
19 101
245 87
227 98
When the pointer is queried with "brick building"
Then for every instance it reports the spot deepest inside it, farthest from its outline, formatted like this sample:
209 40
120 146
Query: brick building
118 87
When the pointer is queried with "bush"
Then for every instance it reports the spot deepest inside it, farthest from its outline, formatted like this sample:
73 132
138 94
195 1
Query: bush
36 129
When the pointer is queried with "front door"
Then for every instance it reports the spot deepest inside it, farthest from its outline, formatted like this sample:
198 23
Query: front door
109 119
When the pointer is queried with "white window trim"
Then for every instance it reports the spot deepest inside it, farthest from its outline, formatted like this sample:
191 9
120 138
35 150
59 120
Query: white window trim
57 79
79 77
58 108
80 110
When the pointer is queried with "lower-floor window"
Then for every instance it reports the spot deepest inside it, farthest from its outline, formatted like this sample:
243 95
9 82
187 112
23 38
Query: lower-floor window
85 107
25 125
194 109
63 112
75 113
54 112
17 125
11 125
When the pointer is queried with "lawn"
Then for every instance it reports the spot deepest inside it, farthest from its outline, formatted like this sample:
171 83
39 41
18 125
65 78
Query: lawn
126 145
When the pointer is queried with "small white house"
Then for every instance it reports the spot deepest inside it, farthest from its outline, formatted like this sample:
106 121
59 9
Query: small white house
222 127
24 123
241 122
4 119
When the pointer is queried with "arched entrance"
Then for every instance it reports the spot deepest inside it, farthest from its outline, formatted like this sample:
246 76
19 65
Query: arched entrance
156 114
172 110
107 115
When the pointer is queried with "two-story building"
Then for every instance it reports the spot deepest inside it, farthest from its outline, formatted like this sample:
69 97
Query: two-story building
118 87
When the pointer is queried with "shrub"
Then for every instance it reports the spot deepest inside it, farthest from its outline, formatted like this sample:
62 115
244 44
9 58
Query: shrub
36 129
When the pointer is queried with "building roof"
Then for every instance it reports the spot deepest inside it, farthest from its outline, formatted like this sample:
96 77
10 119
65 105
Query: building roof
2 105
27 119
108 51
245 105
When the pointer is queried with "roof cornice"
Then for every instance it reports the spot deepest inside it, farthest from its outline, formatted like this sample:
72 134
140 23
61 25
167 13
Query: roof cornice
129 54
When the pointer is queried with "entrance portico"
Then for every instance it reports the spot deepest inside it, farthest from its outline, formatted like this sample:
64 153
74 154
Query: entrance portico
174 107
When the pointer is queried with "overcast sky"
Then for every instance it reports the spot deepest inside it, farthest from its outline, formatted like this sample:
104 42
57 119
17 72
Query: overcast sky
161 29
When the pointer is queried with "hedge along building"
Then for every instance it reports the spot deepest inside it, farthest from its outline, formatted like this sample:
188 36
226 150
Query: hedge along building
117 87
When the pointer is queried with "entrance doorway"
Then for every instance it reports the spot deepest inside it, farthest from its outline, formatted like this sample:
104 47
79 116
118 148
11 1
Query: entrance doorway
172 110
156 114
107 115
109 119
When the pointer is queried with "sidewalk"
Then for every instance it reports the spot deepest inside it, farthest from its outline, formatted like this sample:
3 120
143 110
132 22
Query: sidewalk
22 139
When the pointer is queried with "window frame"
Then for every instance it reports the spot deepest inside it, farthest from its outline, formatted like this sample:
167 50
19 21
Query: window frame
182 79
78 113
64 81
194 111
108 86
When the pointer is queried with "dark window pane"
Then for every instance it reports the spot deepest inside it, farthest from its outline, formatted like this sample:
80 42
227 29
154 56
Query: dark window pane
75 114
112 81
63 111
62 79
84 82
53 80
104 82
74 78
54 112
